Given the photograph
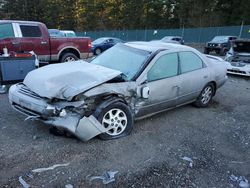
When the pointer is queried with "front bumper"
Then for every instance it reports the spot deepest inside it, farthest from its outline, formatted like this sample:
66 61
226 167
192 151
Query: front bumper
38 108
236 70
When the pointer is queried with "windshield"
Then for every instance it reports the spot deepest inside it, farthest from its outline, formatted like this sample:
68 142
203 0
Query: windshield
100 40
242 47
220 39
123 58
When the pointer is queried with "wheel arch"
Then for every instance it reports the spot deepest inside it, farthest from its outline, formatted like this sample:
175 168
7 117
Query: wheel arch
69 49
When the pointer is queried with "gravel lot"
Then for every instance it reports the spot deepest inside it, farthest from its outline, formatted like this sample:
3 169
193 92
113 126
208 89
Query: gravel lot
217 139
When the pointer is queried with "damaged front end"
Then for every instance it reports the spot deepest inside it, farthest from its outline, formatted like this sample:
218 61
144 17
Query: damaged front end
58 113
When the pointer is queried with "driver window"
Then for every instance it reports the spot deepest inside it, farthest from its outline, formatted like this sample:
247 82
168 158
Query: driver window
166 66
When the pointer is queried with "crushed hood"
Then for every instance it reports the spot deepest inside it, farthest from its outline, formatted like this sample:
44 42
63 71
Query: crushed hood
65 80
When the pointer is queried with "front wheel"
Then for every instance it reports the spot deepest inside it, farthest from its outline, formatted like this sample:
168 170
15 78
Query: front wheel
116 117
205 96
68 57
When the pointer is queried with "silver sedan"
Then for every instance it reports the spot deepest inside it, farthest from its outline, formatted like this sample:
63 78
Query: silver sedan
127 82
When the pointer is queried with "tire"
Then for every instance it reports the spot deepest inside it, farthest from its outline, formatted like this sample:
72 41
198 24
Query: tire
118 116
98 51
68 57
205 96
206 51
223 52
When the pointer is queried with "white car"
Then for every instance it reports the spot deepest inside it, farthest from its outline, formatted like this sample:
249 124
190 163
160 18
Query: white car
239 58
126 82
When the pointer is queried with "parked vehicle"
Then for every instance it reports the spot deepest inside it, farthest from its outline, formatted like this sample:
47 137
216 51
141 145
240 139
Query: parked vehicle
219 44
239 57
127 82
25 36
69 33
55 33
101 44
173 39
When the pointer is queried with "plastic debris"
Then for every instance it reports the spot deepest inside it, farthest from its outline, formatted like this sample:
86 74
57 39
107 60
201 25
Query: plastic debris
3 89
23 183
69 186
38 170
189 160
106 178
241 181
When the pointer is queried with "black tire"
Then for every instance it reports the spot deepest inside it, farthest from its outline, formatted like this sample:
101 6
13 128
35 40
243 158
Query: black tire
223 52
118 124
98 51
68 57
206 51
205 96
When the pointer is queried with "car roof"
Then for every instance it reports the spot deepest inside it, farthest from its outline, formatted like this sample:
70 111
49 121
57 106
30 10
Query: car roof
225 36
158 45
172 37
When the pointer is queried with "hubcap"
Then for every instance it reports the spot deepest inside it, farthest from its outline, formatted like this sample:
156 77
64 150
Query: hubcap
206 95
69 59
98 51
115 120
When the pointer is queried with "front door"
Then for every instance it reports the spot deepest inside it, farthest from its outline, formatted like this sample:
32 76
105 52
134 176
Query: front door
163 83
34 40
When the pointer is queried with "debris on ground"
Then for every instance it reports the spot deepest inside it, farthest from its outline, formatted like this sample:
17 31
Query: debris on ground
241 181
23 182
38 170
106 178
69 186
189 160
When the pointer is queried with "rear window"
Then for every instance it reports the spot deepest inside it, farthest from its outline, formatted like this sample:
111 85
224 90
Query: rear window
6 31
30 31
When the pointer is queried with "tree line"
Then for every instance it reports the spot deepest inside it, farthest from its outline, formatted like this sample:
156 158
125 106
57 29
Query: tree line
95 15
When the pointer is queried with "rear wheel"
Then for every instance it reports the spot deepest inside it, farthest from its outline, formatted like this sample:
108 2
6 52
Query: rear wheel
205 96
68 57
98 51
116 117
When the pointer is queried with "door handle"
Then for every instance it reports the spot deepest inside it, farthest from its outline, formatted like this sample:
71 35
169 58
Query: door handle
205 76
43 42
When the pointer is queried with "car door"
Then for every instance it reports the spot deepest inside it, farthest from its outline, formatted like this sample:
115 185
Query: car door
9 37
33 40
163 84
194 76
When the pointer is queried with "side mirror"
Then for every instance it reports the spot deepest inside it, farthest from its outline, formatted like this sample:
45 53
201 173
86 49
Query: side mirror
145 92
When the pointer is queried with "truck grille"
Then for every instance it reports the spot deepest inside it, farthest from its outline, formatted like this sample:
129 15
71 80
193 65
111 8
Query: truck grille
26 91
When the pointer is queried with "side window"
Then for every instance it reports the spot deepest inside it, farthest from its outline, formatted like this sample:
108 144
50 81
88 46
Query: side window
166 66
6 31
30 31
189 62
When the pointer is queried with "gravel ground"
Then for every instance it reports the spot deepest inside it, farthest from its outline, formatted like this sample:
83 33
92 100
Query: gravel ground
157 154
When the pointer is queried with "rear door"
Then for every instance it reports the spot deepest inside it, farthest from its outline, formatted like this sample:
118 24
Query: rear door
163 83
194 76
33 40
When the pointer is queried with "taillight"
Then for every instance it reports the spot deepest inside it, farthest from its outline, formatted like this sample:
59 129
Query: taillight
89 44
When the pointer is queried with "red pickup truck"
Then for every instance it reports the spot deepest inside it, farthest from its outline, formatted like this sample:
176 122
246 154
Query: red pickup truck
25 36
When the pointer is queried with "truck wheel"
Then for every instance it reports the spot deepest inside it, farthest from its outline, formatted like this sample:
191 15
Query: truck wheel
223 52
118 117
68 57
206 51
98 51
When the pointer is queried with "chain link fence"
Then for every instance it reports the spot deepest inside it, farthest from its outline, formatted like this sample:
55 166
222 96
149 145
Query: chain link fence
190 35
